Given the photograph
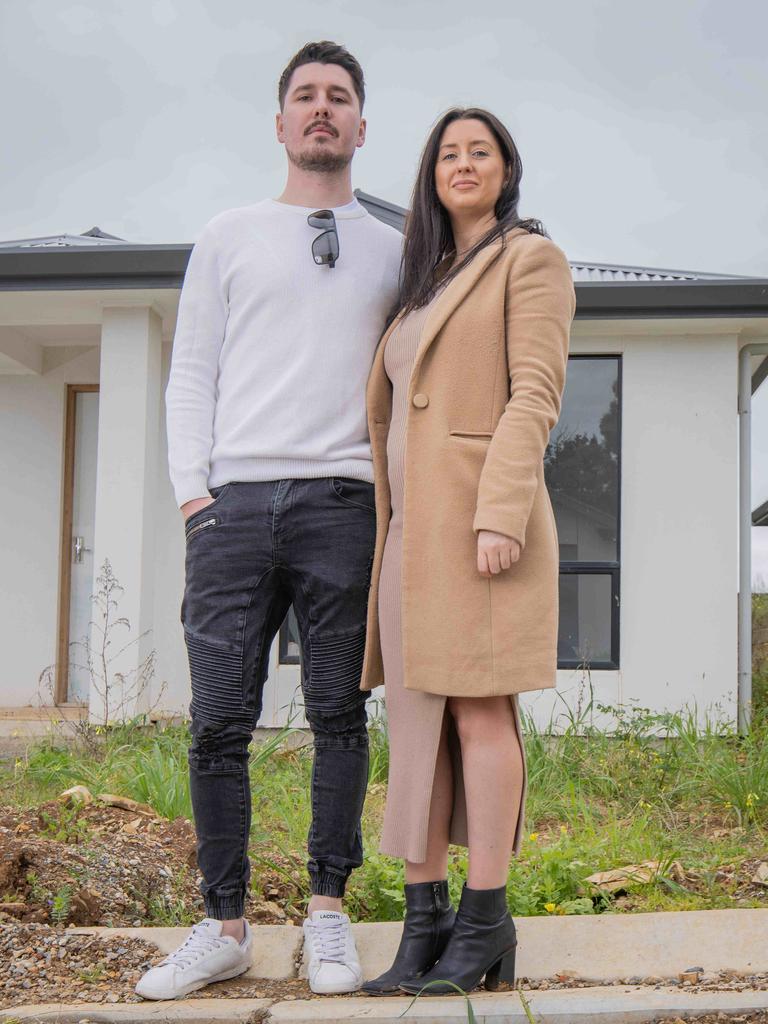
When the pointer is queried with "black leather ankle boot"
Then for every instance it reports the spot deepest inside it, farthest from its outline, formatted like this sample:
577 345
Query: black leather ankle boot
429 918
482 944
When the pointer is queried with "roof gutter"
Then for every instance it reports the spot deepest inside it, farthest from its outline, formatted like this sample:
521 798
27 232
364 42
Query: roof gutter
92 267
598 300
744 701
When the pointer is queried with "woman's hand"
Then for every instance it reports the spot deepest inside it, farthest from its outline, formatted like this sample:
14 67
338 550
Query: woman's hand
495 551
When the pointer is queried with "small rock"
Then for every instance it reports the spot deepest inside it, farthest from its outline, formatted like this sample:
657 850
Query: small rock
124 803
566 975
76 795
691 975
274 909
14 909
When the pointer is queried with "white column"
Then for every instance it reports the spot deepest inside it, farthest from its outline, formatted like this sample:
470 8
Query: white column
129 423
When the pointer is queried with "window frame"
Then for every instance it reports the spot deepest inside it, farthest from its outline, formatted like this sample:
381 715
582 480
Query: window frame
604 568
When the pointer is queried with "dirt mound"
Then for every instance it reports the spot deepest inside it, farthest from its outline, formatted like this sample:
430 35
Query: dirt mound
101 865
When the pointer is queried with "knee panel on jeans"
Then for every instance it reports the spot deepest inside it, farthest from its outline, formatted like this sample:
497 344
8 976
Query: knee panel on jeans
216 674
332 685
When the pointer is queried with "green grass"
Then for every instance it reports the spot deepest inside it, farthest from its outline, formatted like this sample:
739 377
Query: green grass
658 787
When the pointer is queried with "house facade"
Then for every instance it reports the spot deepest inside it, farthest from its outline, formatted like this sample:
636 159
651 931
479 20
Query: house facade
643 469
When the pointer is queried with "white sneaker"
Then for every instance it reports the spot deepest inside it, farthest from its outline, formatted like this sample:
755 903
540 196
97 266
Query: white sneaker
205 956
333 966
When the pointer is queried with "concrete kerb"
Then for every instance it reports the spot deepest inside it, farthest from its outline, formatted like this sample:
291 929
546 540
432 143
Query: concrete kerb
606 1005
614 947
607 947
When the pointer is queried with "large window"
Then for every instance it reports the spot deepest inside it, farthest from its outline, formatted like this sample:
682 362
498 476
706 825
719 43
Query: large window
582 466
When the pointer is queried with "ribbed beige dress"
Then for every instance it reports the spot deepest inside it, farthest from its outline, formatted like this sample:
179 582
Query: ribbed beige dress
414 719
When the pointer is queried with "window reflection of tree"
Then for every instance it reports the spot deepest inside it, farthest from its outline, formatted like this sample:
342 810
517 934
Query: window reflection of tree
582 471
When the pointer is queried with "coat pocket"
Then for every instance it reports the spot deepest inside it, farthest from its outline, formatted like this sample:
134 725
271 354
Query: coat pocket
481 435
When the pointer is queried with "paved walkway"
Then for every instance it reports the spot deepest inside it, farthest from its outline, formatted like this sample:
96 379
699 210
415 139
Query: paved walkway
603 1005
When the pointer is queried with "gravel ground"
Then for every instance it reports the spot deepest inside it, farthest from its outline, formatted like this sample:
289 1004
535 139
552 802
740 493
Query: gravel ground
760 1017
40 964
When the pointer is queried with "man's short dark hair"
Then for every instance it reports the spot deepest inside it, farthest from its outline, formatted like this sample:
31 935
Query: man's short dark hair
324 52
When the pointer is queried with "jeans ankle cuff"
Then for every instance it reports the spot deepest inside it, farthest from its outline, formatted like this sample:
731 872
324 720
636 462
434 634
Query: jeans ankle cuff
327 883
224 908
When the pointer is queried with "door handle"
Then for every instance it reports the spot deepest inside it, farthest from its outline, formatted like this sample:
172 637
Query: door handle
79 547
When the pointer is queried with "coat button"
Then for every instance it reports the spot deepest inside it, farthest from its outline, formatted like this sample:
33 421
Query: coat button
420 401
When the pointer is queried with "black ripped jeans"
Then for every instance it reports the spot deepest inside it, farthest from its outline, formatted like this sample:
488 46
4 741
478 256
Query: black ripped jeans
259 548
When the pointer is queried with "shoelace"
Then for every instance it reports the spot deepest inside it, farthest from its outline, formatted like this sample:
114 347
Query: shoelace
196 944
329 940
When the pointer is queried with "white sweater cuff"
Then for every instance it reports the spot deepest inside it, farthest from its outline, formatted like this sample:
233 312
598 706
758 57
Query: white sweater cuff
190 486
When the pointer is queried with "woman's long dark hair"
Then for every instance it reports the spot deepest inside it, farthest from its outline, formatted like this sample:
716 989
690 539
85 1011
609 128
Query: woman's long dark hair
428 234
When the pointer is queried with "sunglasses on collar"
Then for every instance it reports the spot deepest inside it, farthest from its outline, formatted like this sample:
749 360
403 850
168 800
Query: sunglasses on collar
325 248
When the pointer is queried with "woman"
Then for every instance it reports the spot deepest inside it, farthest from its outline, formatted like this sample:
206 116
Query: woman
463 603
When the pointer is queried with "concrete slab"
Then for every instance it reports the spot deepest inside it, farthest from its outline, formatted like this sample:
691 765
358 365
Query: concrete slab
606 1005
190 1011
603 1004
275 946
613 947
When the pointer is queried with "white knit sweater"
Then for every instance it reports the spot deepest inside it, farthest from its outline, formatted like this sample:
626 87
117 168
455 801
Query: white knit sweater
272 352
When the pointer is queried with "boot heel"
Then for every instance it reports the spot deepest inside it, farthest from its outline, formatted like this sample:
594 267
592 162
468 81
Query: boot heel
503 971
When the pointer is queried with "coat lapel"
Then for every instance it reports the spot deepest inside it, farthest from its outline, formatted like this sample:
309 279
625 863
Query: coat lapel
455 293
379 389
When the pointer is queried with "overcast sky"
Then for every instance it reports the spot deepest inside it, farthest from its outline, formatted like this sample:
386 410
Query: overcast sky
641 126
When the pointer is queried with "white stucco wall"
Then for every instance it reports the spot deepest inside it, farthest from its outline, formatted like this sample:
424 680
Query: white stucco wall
679 540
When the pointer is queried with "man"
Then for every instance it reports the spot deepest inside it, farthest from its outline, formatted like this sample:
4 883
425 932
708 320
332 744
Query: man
282 308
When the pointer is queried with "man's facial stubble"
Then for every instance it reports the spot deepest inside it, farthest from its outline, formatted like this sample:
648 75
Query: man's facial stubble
318 160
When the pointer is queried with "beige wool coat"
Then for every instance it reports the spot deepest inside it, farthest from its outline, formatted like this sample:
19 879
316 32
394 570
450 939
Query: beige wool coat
484 394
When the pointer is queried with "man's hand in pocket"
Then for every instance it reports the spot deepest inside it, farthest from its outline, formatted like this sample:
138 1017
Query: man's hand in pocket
190 507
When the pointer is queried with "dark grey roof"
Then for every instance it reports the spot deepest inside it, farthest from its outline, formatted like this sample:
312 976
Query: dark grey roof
760 515
610 272
88 238
387 212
